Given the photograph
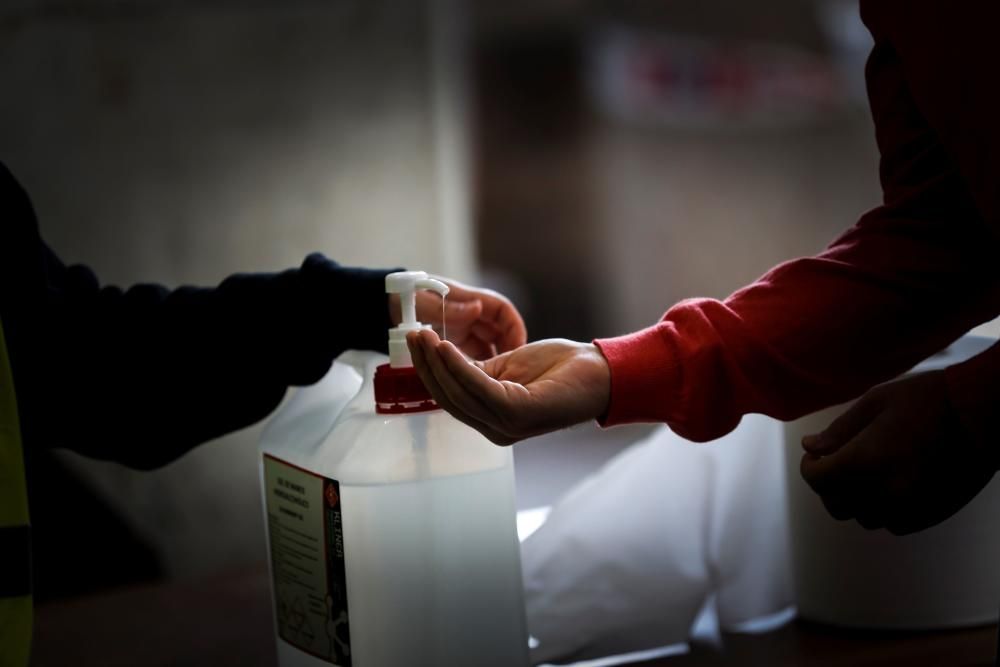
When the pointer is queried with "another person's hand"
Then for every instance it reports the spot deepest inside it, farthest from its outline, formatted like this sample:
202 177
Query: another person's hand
898 459
541 387
479 321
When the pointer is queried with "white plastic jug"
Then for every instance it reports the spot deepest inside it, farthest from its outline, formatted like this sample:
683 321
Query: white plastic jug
391 531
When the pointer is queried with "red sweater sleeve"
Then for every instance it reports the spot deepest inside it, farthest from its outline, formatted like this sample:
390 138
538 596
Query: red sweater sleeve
909 278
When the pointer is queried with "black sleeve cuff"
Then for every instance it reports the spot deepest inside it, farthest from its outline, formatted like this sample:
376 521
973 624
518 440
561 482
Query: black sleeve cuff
351 303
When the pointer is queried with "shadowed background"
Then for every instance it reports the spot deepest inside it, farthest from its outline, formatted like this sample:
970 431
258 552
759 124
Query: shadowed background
597 161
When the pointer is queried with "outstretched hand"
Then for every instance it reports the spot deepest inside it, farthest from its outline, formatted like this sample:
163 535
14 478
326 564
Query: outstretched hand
479 321
898 458
534 389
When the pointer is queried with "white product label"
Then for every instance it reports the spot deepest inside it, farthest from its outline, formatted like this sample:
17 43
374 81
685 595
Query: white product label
307 560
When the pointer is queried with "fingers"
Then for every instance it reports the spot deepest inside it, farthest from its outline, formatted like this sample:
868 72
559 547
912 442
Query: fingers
895 460
860 468
871 520
476 348
500 325
844 428
473 380
455 392
442 399
512 332
838 507
462 322
460 314
482 313
868 505
457 313
477 341
500 314
846 466
484 332
828 473
446 390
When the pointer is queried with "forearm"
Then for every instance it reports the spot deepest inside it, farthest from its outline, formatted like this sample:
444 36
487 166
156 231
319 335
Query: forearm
144 375
811 333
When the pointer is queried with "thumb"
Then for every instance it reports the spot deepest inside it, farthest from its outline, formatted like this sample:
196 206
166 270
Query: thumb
844 428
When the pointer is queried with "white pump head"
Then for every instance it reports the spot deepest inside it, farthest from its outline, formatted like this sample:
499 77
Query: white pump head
405 284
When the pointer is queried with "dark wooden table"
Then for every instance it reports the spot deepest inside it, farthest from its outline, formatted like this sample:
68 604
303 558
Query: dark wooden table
226 620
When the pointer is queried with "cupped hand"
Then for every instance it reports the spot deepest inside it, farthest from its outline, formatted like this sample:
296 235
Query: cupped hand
534 389
898 458
479 321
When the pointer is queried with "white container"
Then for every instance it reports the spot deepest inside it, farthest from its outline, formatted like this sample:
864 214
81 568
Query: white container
945 576
392 537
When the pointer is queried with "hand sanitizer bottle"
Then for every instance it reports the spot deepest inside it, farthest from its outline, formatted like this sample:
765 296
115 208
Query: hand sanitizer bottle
391 525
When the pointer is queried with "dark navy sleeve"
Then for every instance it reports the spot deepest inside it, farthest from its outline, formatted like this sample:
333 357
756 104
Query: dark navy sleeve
142 375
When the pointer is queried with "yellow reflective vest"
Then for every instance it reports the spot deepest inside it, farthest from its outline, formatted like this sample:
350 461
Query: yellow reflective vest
15 529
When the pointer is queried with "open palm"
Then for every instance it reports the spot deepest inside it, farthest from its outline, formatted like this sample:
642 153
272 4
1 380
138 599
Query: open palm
532 390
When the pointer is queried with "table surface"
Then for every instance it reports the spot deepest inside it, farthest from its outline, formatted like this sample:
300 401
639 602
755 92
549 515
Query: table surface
226 620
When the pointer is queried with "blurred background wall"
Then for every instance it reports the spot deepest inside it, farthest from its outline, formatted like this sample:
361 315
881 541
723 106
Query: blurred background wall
598 161
637 198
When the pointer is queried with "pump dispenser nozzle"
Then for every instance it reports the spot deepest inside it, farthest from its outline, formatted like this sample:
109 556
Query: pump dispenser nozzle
405 284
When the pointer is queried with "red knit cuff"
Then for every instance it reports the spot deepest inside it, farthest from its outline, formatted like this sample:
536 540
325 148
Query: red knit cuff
974 391
644 377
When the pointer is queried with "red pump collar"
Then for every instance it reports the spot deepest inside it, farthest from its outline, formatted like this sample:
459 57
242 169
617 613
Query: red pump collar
400 390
